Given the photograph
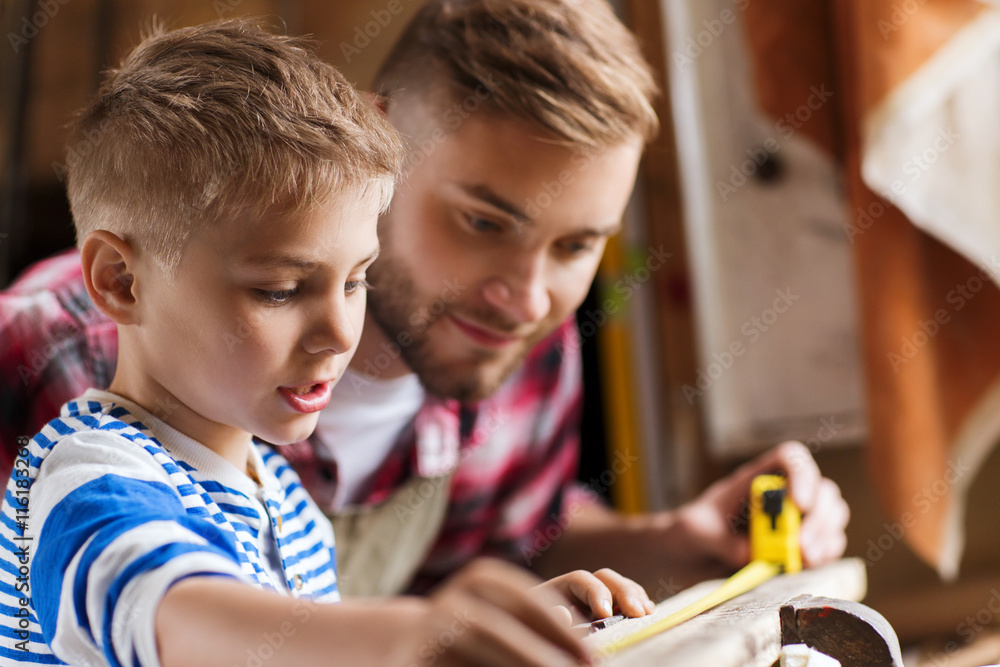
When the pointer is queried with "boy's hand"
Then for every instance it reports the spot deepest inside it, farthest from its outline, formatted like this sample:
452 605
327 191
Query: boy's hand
489 614
600 592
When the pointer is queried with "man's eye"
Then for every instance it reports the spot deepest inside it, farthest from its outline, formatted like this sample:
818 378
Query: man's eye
574 247
483 225
275 297
352 286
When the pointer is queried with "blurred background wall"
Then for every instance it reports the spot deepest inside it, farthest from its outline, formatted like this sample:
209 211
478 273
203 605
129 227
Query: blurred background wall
730 74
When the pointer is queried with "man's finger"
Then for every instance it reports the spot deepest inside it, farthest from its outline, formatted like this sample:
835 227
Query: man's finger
822 534
795 460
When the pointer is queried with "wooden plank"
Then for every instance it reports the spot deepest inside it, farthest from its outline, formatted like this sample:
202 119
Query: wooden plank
744 632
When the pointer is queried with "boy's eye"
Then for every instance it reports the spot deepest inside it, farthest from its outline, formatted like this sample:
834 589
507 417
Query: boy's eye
275 297
352 286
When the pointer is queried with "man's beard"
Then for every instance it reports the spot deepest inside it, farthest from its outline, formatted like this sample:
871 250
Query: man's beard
393 303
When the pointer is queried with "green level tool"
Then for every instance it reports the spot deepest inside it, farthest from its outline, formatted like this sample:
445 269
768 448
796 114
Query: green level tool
774 548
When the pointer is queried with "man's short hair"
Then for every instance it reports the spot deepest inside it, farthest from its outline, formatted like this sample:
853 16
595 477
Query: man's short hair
568 66
220 120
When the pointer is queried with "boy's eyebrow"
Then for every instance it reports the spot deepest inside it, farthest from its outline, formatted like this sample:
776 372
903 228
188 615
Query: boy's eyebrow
375 253
491 197
279 261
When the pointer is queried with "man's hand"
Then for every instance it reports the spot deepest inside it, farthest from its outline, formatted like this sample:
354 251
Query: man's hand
669 551
712 517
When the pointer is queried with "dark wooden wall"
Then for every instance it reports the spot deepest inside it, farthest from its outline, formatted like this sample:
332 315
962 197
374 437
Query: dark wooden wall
60 49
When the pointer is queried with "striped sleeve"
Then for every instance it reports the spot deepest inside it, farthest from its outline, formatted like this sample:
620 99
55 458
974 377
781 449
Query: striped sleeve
114 537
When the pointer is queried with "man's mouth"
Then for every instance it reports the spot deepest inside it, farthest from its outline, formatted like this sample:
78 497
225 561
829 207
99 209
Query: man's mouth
482 335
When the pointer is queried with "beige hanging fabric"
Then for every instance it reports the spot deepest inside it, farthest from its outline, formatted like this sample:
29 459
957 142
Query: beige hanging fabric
924 78
932 145
916 90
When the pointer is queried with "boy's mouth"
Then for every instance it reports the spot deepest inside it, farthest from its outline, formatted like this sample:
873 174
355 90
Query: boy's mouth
308 398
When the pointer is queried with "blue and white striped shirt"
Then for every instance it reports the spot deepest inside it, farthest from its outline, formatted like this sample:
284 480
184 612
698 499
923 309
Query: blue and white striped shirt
108 506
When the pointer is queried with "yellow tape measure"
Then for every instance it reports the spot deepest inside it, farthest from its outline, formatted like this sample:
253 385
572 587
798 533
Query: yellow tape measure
774 524
774 548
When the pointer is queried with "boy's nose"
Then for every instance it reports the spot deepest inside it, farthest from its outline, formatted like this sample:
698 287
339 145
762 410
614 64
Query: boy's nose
332 331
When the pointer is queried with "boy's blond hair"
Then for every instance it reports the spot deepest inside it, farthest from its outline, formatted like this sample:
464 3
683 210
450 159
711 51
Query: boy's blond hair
220 120
568 66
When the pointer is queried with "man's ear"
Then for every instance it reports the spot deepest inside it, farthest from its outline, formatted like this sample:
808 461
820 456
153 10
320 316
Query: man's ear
378 101
108 270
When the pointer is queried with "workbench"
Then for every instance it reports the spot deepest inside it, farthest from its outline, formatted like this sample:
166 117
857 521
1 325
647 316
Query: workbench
747 631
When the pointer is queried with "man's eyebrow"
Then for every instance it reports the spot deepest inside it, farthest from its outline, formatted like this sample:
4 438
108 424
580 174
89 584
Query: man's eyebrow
488 195
606 230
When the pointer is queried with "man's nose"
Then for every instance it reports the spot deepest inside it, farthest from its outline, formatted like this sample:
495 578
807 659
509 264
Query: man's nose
521 294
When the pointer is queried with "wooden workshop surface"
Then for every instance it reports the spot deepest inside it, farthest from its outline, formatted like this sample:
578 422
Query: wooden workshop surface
743 632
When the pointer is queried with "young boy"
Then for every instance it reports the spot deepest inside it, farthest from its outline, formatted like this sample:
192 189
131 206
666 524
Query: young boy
225 200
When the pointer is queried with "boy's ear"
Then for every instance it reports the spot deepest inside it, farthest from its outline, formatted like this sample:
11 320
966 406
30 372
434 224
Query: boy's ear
108 270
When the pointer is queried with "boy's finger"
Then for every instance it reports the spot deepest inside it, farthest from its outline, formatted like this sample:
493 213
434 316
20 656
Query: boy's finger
506 588
536 618
562 614
630 596
498 638
592 592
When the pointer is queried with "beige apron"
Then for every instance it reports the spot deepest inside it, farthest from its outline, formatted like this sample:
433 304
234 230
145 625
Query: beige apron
371 557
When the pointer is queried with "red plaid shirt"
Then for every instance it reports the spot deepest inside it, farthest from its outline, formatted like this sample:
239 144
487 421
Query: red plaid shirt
516 453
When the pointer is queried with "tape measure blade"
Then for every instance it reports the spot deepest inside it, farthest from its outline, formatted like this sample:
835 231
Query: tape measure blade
751 576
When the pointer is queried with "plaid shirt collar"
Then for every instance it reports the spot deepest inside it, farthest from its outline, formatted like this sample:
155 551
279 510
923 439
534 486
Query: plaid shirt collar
434 441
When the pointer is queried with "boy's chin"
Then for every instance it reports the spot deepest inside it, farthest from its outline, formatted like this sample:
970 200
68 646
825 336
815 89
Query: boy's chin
292 433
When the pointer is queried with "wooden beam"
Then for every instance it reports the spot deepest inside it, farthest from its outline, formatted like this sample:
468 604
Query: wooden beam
686 464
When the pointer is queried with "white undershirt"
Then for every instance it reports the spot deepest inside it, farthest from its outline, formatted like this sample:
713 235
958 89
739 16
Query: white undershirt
361 425
267 545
